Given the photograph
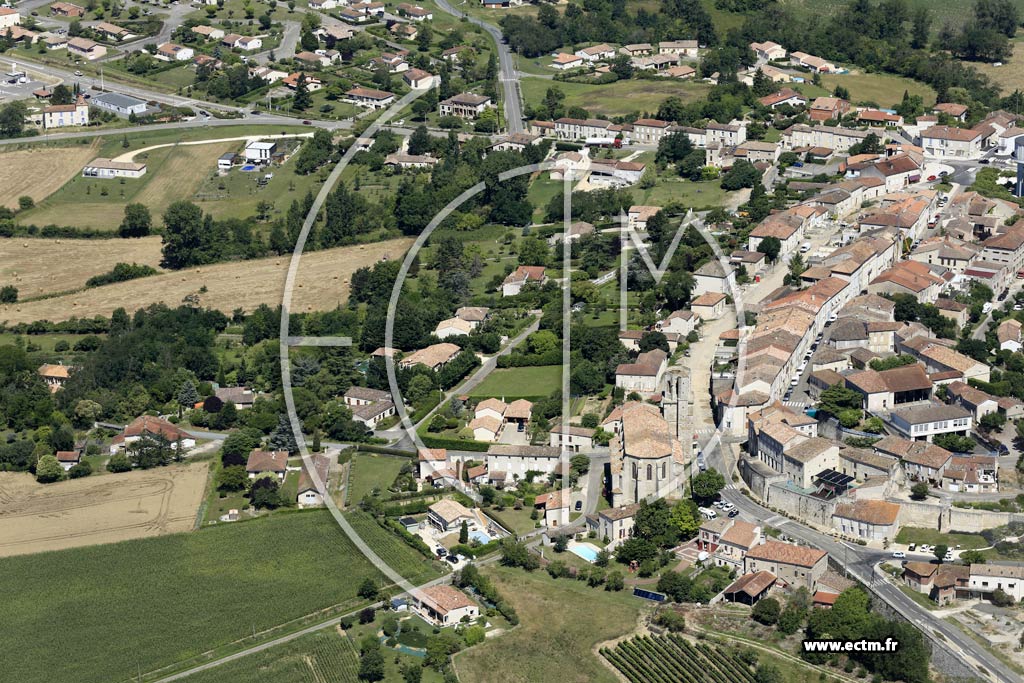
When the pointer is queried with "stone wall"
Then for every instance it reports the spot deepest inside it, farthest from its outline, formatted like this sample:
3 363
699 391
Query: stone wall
920 514
973 521
803 507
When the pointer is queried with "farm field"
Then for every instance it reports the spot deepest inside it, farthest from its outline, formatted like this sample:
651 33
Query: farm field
615 99
38 266
171 598
370 471
885 90
408 562
515 383
321 656
38 173
99 509
552 642
321 285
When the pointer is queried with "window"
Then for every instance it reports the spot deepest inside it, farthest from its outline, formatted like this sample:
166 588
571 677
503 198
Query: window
650 472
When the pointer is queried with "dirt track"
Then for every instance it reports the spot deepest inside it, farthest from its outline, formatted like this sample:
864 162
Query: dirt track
99 509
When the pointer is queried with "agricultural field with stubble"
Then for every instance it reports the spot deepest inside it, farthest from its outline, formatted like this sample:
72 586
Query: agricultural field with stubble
143 605
39 172
44 266
322 284
38 517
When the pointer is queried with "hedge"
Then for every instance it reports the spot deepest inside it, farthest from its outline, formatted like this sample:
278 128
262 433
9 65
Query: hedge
453 444
370 448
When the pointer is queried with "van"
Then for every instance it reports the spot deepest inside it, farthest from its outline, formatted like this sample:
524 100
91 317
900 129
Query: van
708 513
805 247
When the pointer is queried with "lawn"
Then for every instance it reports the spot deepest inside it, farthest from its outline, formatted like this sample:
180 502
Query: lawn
541 191
513 383
371 471
141 605
552 642
885 90
614 99
320 656
407 561
699 195
910 534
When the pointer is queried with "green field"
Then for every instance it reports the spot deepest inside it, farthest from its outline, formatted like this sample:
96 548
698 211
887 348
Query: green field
146 604
321 656
173 173
513 383
552 641
408 562
542 189
910 534
885 90
614 99
370 471
942 11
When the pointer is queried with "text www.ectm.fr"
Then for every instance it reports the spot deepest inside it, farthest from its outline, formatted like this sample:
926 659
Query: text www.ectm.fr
887 645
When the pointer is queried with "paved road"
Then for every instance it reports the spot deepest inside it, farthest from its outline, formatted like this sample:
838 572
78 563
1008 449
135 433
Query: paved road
286 49
860 563
508 75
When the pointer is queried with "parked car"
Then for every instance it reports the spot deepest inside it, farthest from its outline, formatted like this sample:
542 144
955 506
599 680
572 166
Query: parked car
932 178
734 513
911 547
899 554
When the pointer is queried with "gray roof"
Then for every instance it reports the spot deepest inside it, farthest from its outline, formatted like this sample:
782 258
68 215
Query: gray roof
931 412
116 99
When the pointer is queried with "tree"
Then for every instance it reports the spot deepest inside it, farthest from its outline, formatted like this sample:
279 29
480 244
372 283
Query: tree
8 294
972 557
838 398
187 396
919 491
118 463
1001 598
790 619
707 484
686 518
184 239
766 611
371 665
302 100
49 470
61 95
80 469
137 221
420 141
796 269
368 589
12 118
233 478
770 247
282 438
265 492
768 673
464 532
614 581
940 551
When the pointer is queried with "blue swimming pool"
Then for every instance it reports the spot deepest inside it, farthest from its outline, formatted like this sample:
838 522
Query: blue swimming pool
479 536
585 550
248 167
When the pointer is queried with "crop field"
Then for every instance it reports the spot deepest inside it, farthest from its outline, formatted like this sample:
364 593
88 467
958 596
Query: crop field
615 99
554 640
147 604
314 658
370 471
515 383
38 266
100 509
653 659
399 556
942 11
38 173
322 284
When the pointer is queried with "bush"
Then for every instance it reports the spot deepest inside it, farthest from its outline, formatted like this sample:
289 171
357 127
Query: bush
118 463
766 611
79 470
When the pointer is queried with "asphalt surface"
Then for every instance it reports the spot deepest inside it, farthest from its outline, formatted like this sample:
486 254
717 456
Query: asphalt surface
508 75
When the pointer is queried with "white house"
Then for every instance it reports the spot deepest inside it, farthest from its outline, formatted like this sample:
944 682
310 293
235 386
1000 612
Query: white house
8 18
171 52
259 152
309 495
61 115
987 578
107 168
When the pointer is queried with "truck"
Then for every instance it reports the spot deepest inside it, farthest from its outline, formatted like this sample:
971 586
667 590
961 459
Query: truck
615 143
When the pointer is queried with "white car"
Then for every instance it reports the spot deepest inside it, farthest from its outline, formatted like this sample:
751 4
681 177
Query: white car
899 554
793 382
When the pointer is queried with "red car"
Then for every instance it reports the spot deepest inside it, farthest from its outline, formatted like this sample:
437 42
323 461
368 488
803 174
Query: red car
931 178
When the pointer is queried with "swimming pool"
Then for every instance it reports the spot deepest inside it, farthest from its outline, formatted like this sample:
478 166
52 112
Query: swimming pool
479 536
585 550
248 167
